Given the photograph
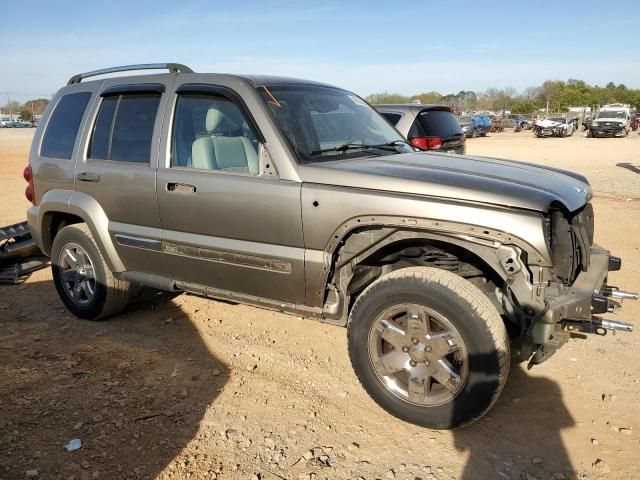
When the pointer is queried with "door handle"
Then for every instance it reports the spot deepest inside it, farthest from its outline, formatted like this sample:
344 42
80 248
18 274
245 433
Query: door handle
88 177
184 188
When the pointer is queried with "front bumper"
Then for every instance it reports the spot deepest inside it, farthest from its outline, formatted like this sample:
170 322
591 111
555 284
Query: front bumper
589 295
550 132
607 130
572 309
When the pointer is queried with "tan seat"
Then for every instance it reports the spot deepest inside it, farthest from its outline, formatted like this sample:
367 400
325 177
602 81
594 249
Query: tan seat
219 152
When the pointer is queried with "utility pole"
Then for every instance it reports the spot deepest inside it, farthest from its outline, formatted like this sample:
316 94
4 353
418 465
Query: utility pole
546 112
10 110
33 113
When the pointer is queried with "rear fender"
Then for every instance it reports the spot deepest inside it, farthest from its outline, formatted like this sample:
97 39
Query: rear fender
81 205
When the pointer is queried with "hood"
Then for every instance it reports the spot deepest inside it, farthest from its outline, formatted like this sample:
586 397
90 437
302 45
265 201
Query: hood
549 124
609 120
465 178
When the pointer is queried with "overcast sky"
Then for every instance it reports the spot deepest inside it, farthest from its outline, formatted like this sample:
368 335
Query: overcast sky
365 46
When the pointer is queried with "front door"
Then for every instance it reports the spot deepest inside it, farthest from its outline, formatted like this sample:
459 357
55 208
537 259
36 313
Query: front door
227 224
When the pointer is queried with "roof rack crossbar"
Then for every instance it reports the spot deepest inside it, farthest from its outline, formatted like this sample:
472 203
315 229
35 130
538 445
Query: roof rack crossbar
172 67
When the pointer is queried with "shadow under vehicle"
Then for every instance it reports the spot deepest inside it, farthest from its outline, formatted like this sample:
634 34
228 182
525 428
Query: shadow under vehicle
300 197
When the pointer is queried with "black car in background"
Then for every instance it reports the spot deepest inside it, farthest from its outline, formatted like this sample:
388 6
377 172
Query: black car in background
431 127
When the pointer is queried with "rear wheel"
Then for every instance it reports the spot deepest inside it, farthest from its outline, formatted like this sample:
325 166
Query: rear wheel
82 278
429 347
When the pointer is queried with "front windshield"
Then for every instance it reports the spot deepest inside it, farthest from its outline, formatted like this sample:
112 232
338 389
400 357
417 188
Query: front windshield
559 120
325 123
611 114
463 119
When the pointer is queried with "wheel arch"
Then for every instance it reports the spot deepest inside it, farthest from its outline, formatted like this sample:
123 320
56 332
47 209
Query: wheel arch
59 208
370 237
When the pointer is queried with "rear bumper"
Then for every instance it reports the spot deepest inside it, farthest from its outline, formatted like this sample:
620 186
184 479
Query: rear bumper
34 227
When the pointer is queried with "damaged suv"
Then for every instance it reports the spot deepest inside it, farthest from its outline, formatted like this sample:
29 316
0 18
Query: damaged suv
612 121
299 197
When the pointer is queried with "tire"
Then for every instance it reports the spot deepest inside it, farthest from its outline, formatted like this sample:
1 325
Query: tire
74 255
469 322
483 134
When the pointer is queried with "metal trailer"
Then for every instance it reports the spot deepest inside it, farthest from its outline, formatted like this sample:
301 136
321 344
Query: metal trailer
19 255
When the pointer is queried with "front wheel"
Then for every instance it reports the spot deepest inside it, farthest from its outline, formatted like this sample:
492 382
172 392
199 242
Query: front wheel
429 347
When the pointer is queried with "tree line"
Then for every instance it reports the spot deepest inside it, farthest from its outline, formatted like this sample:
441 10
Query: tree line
28 110
559 95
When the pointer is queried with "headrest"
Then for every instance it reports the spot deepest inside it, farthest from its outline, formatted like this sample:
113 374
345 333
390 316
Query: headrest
224 117
215 119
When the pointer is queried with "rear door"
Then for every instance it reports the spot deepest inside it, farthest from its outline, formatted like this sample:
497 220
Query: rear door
119 164
229 223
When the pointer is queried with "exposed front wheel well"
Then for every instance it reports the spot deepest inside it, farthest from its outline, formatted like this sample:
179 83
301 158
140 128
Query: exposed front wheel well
366 255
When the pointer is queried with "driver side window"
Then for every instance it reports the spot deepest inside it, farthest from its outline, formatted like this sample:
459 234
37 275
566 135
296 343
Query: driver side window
210 132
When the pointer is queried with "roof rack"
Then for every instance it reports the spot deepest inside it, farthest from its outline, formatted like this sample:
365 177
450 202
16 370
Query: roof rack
172 67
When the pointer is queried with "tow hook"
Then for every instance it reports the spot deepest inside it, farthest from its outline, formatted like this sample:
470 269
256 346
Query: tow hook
597 325
612 324
617 293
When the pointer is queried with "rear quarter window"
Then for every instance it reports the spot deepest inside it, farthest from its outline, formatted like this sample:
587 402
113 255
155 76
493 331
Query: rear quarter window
392 118
439 123
62 128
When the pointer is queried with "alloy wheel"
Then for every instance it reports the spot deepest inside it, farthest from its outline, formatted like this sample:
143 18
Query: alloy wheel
418 355
77 274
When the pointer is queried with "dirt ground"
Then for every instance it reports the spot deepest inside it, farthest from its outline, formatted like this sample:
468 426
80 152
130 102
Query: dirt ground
193 388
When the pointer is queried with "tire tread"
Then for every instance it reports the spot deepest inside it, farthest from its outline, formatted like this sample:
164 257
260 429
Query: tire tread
449 283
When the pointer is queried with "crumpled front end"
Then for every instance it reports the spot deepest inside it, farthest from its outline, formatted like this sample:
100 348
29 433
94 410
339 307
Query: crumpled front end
578 290
608 129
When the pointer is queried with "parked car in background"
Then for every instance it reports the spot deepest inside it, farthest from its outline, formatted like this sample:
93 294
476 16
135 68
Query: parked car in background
517 122
6 123
430 127
483 124
554 127
468 126
474 125
611 121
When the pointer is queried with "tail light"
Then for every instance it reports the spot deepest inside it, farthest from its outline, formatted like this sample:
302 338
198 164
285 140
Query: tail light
30 191
427 143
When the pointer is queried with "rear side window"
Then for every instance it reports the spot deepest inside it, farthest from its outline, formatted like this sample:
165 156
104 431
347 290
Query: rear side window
392 118
124 128
62 129
439 123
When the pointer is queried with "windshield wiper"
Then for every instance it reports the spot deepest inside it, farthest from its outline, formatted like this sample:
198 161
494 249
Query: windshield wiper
391 146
